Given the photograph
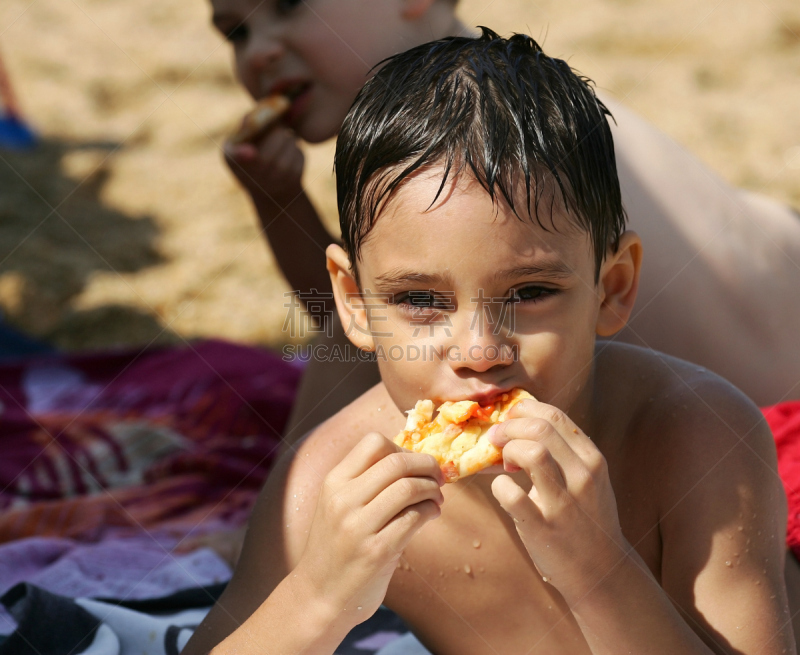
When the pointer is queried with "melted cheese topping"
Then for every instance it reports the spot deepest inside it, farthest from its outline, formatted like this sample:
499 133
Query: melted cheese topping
457 436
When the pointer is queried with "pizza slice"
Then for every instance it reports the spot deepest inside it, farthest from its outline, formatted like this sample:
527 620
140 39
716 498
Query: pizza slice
457 436
256 122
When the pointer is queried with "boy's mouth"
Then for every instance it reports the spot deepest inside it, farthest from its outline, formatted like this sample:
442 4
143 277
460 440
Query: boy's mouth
292 89
485 397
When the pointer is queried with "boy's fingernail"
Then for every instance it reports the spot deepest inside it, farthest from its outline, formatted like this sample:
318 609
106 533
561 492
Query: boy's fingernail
511 468
495 438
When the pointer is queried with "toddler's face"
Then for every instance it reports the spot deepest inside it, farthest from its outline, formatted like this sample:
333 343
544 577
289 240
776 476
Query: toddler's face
510 303
317 51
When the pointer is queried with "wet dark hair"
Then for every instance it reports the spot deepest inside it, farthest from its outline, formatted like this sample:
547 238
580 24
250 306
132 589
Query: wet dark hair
498 109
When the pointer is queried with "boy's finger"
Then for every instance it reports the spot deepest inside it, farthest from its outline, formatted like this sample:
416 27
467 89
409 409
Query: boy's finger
534 410
516 503
401 494
240 153
540 431
396 466
274 143
530 408
399 531
371 449
543 470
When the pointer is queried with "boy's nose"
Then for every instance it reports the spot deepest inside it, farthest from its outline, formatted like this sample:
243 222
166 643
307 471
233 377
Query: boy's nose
263 55
484 345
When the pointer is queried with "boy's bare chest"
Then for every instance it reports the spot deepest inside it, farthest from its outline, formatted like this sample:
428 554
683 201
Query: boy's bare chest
467 585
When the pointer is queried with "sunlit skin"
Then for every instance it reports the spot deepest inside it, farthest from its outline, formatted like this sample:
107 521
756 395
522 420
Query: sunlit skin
523 316
319 46
635 485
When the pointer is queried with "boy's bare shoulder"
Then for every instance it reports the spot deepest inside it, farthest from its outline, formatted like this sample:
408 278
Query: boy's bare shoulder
373 411
680 423
653 392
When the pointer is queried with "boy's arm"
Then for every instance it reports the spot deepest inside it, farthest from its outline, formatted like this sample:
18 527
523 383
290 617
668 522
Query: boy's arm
271 172
723 529
319 553
570 526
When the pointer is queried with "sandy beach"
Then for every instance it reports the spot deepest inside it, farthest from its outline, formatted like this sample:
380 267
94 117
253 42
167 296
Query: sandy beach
125 227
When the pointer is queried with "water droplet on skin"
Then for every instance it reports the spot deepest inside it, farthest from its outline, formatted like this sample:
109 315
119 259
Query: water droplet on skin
359 607
406 567
740 528
467 569
296 509
455 568
441 574
728 563
481 569
476 544
545 578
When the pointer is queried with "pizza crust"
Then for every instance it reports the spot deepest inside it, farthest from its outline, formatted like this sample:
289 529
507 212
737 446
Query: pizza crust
266 112
457 436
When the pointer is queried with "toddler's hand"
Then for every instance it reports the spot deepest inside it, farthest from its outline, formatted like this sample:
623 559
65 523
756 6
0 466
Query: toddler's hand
272 167
369 508
569 521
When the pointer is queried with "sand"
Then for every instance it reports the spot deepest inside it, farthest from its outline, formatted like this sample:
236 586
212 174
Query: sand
124 227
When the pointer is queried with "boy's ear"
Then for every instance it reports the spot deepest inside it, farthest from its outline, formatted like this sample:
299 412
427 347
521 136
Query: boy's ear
619 281
415 9
349 302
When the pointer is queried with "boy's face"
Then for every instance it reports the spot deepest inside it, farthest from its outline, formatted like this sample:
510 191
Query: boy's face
317 51
513 304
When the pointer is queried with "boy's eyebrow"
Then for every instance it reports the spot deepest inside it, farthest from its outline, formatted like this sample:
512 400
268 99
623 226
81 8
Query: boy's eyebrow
555 270
399 278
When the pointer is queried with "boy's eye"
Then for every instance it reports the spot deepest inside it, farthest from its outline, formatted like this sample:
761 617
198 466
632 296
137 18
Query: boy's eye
285 6
238 34
531 293
424 300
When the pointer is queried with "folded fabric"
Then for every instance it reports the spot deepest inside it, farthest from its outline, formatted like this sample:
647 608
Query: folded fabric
784 421
165 439
130 569
57 625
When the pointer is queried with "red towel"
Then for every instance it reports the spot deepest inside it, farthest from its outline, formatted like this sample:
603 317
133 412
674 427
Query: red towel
784 419
174 440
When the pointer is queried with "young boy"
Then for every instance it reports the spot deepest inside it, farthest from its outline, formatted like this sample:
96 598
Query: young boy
640 511
721 262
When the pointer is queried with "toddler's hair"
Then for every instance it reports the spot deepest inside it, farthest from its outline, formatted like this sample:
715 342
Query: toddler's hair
497 109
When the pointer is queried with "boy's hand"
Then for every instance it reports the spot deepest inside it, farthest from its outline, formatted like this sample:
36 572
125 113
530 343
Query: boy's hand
272 167
369 508
568 522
